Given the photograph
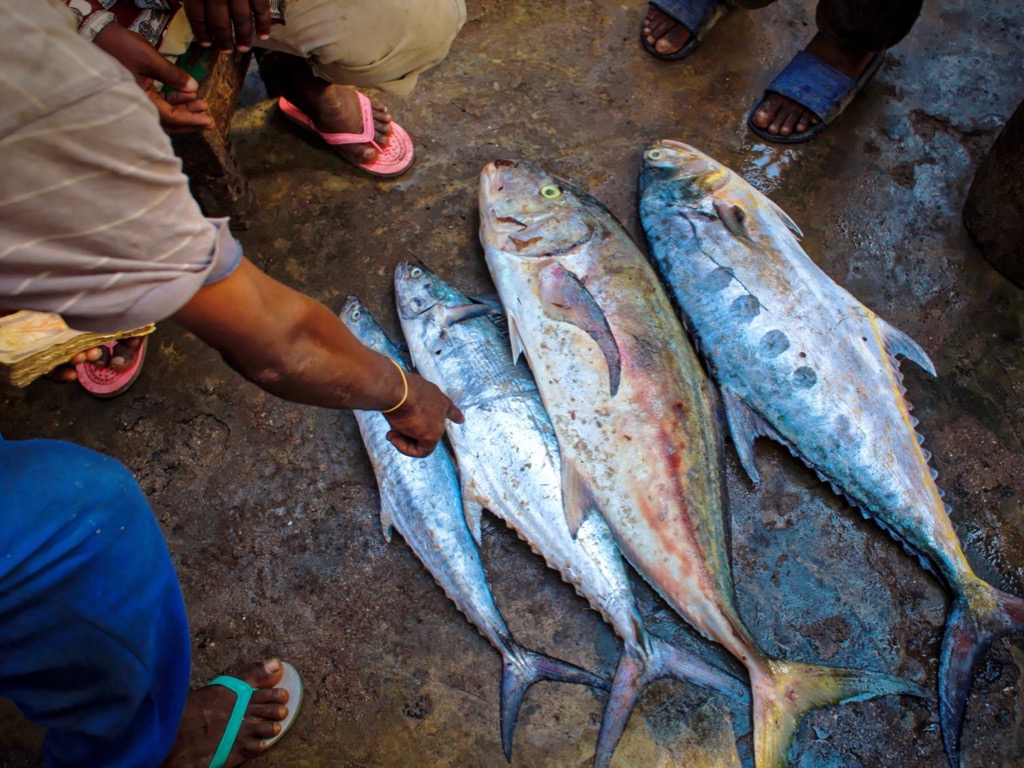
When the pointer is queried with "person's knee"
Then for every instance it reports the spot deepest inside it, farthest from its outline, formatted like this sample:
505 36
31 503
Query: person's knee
61 482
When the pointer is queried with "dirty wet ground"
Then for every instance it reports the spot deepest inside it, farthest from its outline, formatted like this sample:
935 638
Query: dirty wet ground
270 509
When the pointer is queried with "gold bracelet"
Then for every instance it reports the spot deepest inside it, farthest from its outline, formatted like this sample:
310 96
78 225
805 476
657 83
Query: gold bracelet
405 388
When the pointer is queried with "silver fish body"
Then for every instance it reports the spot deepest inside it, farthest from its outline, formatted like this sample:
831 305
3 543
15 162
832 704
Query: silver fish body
634 416
509 463
799 359
421 498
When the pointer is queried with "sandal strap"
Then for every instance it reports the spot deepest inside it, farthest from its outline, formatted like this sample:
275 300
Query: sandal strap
814 85
698 16
243 692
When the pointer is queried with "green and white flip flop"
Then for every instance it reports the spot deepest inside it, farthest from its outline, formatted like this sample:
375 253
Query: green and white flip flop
290 681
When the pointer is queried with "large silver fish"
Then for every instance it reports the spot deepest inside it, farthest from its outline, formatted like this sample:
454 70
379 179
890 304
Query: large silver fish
509 463
421 498
799 359
633 413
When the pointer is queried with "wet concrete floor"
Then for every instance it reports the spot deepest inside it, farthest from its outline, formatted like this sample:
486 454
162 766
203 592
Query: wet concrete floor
270 509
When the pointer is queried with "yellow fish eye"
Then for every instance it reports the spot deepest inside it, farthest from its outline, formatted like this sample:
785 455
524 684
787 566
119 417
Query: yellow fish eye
550 191
654 154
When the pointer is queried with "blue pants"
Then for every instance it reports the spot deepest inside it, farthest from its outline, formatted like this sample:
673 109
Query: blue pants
94 643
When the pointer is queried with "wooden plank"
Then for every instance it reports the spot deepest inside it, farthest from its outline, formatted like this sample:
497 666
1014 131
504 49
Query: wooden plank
208 158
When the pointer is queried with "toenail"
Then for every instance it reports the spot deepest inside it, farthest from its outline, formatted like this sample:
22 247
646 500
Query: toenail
271 666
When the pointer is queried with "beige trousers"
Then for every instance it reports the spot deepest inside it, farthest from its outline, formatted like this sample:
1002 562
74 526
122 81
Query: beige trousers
383 44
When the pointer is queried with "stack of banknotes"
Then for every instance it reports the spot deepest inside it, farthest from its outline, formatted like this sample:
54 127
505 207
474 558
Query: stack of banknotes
34 343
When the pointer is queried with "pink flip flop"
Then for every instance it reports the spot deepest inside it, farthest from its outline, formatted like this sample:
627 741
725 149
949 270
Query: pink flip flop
392 160
104 381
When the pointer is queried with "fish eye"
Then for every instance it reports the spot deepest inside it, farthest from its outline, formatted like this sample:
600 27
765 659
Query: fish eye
415 272
550 191
356 314
654 154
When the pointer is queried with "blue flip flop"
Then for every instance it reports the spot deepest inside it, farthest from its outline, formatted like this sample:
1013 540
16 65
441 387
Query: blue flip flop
816 86
290 681
698 16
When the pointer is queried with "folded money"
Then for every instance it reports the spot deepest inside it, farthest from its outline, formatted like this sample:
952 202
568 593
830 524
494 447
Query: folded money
34 343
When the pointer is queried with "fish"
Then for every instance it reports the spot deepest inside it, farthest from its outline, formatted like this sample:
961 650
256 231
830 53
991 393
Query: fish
508 460
421 499
800 360
635 418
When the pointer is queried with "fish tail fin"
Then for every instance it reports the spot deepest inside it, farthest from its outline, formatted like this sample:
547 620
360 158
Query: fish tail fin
979 615
636 671
523 668
785 691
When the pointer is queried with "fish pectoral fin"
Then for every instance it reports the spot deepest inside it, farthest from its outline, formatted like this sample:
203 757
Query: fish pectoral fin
518 350
898 343
491 300
790 224
745 426
577 499
734 218
453 315
473 511
566 299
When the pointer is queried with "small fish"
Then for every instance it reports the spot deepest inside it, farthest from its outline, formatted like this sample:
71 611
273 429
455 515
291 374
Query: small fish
509 463
421 499
646 454
800 360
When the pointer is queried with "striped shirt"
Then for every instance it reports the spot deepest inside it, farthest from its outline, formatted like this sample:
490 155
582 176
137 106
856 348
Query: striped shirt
96 219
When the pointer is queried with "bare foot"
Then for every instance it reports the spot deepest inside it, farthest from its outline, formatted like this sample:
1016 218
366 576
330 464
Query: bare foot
206 715
122 356
664 33
332 108
336 109
782 116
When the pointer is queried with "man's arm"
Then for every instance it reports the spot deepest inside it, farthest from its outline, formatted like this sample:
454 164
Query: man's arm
294 347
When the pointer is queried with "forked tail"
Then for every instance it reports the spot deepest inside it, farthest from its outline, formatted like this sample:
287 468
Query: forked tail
980 614
639 668
521 668
784 691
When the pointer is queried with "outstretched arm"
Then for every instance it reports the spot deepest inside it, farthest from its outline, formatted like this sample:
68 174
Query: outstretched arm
294 347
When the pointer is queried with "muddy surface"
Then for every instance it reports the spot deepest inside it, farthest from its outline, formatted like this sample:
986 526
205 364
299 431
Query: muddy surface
270 509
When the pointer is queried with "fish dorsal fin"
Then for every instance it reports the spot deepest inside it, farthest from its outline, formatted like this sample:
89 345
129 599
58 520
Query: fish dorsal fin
745 427
453 315
473 511
566 299
515 339
733 217
898 343
577 500
790 224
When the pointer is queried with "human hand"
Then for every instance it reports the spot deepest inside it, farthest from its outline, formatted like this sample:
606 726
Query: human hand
419 424
228 24
180 111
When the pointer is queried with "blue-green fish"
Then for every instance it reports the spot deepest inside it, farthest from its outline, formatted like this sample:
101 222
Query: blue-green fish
800 360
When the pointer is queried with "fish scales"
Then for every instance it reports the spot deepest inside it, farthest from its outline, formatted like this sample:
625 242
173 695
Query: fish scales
421 498
633 412
798 358
509 462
